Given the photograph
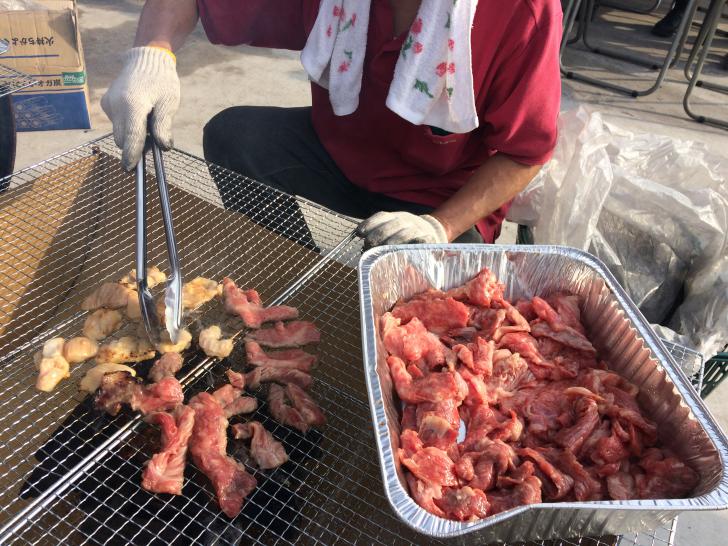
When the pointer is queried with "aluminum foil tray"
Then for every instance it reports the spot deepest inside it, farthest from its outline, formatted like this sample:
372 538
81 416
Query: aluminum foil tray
623 338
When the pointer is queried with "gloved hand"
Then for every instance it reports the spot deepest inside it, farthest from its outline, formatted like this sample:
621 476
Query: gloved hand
147 83
397 228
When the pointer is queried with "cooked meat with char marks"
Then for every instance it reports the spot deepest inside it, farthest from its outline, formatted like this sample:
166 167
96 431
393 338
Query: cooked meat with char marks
248 306
293 359
268 452
121 388
286 335
164 472
167 366
208 448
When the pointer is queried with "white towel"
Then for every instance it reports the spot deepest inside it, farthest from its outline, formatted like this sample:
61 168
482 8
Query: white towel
433 79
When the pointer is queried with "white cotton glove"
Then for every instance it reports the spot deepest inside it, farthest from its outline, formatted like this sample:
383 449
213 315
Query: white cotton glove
398 228
148 82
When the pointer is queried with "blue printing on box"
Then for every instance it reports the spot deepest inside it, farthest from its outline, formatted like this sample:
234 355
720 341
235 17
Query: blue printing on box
51 111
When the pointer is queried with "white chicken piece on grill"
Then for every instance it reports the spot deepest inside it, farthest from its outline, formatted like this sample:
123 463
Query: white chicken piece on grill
79 349
110 295
155 276
133 307
198 291
92 380
212 343
102 323
52 366
183 342
125 349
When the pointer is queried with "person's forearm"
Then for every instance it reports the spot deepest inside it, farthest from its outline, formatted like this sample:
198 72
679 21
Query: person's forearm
496 182
166 23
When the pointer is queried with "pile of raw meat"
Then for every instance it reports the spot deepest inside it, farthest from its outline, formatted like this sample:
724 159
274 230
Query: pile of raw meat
544 418
201 425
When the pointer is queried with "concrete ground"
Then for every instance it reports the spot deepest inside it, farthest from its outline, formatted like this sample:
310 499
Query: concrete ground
215 77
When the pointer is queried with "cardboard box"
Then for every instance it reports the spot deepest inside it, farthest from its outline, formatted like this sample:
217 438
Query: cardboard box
47 45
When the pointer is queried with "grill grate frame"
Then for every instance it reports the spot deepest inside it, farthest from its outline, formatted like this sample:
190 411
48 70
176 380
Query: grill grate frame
86 488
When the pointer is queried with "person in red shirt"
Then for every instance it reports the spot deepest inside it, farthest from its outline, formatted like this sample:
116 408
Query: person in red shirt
412 182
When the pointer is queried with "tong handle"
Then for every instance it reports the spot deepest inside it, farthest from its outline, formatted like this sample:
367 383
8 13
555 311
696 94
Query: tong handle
146 301
173 303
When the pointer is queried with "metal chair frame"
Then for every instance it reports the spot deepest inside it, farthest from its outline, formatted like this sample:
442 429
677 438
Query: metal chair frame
698 55
677 44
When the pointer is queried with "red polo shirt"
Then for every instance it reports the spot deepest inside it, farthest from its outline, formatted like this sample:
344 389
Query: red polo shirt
515 47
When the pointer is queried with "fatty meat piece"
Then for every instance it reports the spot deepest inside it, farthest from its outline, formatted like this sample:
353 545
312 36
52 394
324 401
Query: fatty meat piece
464 504
425 494
52 365
286 335
268 452
164 473
50 372
529 492
248 306
199 291
438 423
431 465
434 387
101 323
438 315
568 336
293 359
155 276
166 366
208 448
483 290
79 349
267 374
109 295
477 356
184 340
560 483
212 344
412 342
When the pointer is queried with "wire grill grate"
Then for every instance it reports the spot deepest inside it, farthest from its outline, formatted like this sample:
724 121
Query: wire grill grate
11 80
73 476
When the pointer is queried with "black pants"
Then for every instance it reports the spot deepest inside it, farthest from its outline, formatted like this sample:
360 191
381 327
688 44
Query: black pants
279 147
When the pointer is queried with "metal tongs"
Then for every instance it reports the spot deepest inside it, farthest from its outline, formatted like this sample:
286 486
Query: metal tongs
173 292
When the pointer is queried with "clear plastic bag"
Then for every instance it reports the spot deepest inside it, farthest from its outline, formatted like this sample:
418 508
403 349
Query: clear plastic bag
653 208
